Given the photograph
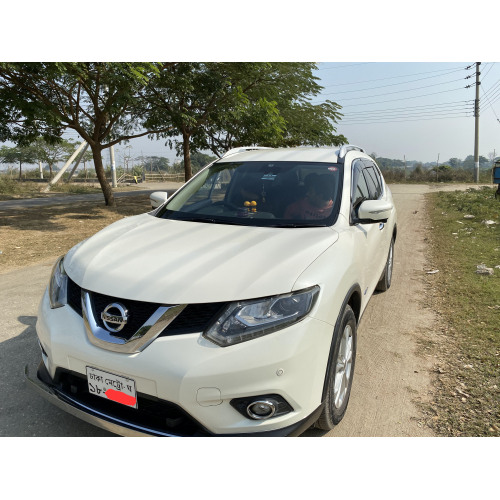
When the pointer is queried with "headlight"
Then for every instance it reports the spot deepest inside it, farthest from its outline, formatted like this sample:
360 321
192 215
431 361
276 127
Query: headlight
58 285
246 320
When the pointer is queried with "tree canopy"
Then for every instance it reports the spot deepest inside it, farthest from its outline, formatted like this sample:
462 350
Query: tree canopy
100 101
194 106
19 155
217 106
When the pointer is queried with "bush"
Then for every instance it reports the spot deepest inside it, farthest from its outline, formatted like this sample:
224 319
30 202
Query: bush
8 186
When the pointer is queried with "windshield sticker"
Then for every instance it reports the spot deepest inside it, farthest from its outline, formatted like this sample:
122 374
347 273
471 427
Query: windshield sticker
269 177
332 169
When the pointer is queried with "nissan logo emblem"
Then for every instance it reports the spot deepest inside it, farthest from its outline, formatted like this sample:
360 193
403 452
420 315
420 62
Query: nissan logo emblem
115 317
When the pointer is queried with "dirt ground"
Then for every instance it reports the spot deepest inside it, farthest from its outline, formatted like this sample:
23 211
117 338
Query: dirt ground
395 364
31 235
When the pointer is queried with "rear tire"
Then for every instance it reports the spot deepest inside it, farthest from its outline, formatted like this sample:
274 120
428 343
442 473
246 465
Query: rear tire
341 372
386 279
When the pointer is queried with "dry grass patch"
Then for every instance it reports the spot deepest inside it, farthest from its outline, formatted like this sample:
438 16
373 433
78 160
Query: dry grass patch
31 235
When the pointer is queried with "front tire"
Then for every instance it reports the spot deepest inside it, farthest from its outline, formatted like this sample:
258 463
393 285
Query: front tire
341 372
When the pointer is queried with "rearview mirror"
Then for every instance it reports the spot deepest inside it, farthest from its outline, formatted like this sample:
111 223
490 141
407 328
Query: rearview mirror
374 211
158 198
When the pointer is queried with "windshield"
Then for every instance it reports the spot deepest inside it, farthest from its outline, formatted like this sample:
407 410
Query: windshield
257 193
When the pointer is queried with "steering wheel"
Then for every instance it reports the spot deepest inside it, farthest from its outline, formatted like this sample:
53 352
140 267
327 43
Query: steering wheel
225 203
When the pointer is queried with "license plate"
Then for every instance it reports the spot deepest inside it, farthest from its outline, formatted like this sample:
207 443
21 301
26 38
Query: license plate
110 386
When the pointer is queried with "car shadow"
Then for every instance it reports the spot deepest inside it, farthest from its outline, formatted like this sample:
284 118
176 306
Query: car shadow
22 411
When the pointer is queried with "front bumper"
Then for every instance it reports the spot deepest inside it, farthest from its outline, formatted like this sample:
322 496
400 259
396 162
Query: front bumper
42 384
189 373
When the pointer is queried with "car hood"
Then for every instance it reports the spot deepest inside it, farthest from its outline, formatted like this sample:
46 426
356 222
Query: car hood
169 261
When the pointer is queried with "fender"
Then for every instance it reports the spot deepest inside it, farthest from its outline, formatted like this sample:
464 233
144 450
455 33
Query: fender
354 289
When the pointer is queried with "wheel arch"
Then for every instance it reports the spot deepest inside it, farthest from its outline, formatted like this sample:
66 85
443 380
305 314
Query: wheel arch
352 299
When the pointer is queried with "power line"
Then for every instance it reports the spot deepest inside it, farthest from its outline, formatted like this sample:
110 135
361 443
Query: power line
389 93
345 66
402 98
403 114
398 116
422 106
491 106
497 98
494 97
489 69
392 77
492 88
406 120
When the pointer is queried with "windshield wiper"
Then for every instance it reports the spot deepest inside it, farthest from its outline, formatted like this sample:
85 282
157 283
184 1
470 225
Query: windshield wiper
210 221
299 225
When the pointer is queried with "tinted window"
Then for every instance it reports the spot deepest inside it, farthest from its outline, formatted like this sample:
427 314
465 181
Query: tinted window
373 179
359 190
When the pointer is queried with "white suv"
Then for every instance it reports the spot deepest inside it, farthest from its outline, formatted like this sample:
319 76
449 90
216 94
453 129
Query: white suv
232 308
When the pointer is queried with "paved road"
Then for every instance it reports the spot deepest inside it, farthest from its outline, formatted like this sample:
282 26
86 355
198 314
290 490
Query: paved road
54 199
389 375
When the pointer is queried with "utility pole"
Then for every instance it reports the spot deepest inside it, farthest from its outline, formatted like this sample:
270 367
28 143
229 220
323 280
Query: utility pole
77 162
437 168
66 165
113 166
476 127
404 158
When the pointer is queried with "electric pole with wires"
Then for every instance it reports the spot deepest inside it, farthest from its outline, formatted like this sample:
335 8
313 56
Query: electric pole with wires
476 127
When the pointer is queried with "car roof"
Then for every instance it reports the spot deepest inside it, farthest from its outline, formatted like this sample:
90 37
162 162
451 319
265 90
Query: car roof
305 154
329 155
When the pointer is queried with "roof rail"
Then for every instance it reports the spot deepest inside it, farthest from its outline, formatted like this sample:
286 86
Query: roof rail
348 147
242 150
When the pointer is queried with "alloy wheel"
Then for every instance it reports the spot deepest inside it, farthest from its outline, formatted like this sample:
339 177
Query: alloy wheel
343 367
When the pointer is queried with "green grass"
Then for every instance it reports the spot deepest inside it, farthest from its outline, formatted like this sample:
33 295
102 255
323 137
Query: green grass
468 399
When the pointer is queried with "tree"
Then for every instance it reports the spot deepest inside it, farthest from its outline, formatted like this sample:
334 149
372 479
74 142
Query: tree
53 153
276 111
198 161
217 106
24 154
468 163
102 102
455 162
443 172
158 163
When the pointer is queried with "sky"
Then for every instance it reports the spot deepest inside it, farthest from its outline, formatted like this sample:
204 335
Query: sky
415 110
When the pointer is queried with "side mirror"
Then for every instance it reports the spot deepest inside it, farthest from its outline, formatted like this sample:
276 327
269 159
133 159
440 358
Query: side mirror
371 211
158 198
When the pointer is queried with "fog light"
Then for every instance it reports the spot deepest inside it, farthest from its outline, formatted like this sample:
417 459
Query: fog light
260 410
262 406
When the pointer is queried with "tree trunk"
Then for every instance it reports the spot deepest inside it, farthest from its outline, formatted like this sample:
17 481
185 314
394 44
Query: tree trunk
20 169
187 156
50 169
101 176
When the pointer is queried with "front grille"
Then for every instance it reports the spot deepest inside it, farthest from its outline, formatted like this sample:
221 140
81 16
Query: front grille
139 312
193 319
74 297
152 413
